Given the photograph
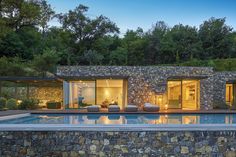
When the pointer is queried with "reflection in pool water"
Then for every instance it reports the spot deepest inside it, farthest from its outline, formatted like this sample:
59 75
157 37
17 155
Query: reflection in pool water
124 119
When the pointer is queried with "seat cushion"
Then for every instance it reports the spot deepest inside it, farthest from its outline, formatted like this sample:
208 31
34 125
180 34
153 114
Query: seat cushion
131 108
150 107
113 108
94 108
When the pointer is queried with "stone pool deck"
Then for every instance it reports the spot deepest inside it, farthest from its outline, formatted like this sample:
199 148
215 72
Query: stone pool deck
81 111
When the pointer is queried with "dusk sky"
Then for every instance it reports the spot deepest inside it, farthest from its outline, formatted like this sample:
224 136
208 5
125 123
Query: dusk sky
130 14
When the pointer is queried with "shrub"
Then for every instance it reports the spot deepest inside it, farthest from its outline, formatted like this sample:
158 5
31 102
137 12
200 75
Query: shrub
29 104
53 105
3 102
11 104
221 105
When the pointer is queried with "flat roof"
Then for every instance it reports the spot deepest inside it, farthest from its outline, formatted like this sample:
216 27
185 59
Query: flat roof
25 79
92 77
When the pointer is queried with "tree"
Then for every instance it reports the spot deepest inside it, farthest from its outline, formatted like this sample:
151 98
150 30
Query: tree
46 14
45 62
118 56
61 41
91 57
12 46
155 37
214 35
84 29
135 44
20 13
182 42
13 67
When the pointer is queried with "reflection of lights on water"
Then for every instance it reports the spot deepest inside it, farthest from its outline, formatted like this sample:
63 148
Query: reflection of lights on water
47 117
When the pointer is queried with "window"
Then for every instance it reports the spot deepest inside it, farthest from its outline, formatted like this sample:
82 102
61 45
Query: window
183 94
79 94
229 94
103 92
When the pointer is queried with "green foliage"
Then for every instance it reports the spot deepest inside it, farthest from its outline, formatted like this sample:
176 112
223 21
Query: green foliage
11 104
29 104
81 105
84 29
46 61
118 56
217 64
92 58
214 35
82 40
53 105
3 102
12 67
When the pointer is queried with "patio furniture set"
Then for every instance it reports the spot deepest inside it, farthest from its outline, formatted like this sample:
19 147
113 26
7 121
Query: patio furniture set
148 107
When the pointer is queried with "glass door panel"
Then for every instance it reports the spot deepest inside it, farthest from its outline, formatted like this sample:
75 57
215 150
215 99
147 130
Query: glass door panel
190 94
174 94
110 92
80 94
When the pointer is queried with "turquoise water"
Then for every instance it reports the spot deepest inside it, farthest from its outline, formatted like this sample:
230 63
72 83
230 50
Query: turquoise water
124 119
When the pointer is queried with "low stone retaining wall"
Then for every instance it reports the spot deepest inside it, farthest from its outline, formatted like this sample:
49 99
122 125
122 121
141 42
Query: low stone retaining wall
150 143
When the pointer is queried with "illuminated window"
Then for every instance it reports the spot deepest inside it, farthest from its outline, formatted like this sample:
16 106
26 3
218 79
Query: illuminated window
229 94
111 92
183 94
103 92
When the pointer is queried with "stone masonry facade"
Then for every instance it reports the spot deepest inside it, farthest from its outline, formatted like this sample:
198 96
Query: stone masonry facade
144 82
123 144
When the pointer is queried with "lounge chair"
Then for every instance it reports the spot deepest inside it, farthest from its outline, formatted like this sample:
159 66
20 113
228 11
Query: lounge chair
93 108
113 108
150 107
131 108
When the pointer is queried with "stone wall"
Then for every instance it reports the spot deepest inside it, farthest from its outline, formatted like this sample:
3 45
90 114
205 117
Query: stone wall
145 81
43 94
130 144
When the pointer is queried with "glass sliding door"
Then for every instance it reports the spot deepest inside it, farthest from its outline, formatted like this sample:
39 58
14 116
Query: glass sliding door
190 94
184 94
174 94
103 92
79 94
111 92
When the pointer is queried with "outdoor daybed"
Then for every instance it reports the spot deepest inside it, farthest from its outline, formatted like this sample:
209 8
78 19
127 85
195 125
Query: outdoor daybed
150 107
93 108
131 108
113 108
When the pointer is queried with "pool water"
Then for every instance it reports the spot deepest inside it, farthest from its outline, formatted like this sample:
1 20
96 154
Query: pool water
121 119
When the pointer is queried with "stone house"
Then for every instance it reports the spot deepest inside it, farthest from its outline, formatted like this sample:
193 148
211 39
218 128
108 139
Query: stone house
170 87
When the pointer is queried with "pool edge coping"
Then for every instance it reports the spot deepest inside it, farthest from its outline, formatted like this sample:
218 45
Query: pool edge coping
126 127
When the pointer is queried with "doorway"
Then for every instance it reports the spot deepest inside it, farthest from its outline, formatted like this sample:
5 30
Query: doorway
183 94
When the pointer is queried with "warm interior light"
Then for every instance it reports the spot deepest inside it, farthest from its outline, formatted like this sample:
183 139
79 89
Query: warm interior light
166 106
19 101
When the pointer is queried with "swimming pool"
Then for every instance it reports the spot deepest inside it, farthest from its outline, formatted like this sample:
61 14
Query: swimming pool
123 119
